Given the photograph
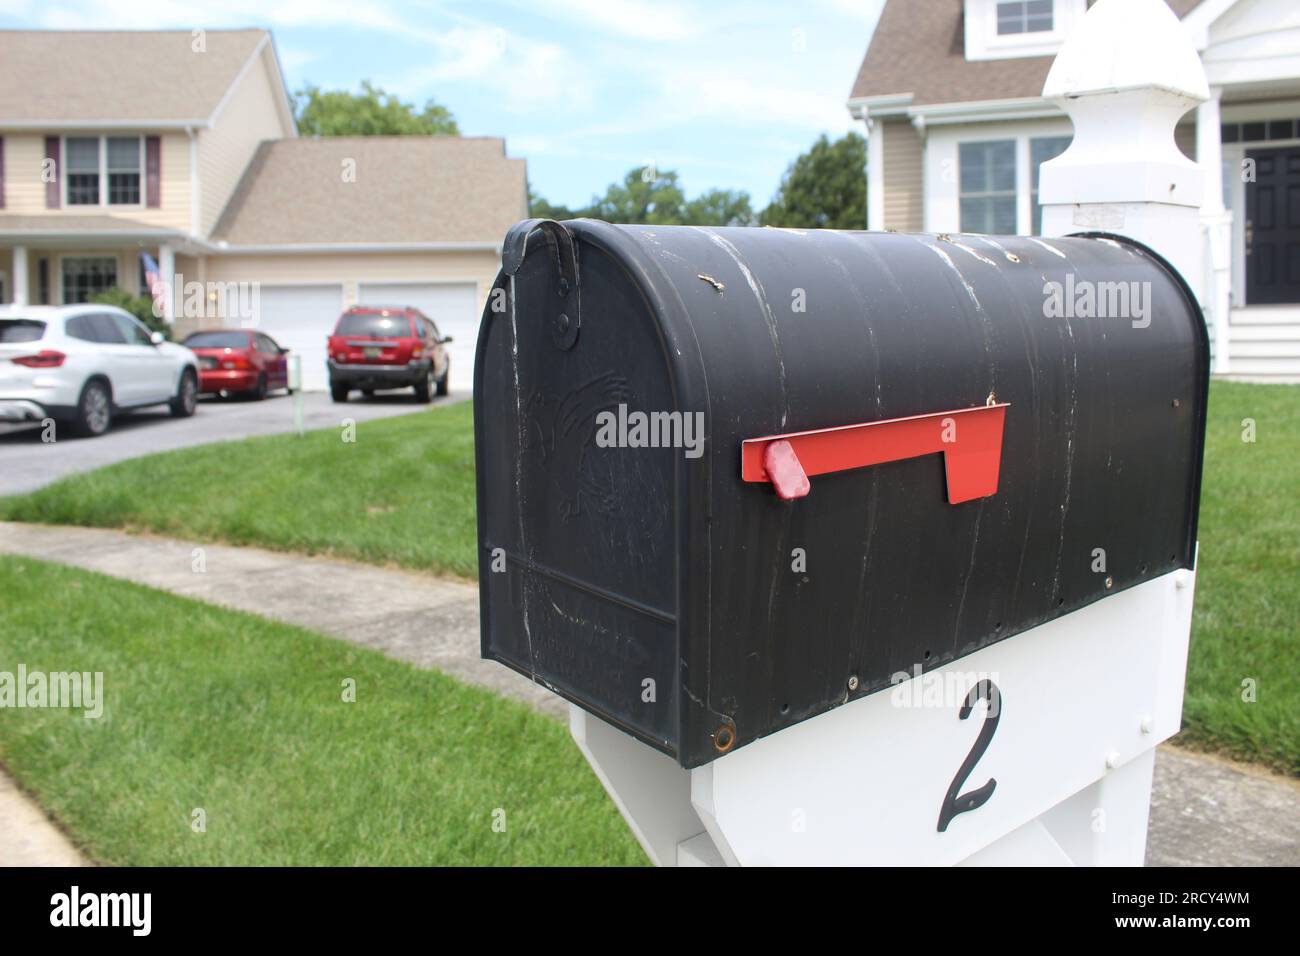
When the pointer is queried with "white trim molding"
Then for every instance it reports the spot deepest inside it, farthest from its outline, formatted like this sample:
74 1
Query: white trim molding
92 125
223 248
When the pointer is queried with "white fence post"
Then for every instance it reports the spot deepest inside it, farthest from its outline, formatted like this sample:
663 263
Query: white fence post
1125 76
1217 223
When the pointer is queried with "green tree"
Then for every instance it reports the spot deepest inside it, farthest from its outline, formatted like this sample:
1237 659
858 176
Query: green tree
643 197
371 112
646 197
539 208
720 207
824 188
141 306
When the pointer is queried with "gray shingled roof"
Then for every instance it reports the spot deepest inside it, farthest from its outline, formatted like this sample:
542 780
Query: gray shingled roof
58 75
64 225
408 189
919 48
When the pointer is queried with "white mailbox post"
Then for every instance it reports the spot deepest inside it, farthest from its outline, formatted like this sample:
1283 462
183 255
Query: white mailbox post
1037 749
295 386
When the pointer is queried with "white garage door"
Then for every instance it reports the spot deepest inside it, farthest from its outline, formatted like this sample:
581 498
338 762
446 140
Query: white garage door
453 308
301 318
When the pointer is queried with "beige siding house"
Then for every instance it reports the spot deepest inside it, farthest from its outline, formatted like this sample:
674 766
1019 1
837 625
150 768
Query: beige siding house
949 94
182 146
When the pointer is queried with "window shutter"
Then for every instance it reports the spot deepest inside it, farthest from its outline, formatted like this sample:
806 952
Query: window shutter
53 186
2 172
153 171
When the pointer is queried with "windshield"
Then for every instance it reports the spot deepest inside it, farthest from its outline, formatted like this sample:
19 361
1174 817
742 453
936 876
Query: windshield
374 325
21 330
217 340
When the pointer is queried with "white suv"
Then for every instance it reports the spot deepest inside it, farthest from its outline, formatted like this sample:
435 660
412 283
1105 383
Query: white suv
79 364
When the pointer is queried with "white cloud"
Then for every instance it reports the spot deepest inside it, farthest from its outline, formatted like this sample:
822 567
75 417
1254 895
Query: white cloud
524 73
644 19
159 14
294 58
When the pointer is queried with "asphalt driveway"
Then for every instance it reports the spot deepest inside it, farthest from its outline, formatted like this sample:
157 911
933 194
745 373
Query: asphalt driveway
27 463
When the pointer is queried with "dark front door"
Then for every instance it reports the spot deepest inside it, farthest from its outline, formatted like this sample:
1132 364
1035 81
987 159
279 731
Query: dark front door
1273 227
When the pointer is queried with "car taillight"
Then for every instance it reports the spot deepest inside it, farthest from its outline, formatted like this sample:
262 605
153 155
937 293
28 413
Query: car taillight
46 359
236 362
416 352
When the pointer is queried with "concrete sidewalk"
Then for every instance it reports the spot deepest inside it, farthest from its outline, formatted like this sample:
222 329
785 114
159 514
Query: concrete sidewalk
1204 811
26 837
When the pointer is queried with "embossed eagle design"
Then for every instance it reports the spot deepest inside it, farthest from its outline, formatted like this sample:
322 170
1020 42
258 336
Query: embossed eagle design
563 430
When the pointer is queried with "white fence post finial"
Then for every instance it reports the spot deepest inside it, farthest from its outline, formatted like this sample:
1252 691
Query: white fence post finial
1126 75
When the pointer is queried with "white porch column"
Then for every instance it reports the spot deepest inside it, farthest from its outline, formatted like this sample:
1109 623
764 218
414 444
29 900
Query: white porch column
20 295
1125 76
167 265
875 174
1216 223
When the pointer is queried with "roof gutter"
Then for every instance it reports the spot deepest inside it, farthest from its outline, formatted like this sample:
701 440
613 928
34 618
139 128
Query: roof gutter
984 111
25 124
937 114
891 104
308 248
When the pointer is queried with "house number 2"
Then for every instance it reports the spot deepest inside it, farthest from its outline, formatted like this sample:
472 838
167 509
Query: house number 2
973 799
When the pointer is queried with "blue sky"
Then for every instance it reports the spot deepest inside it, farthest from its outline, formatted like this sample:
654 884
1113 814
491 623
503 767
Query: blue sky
726 93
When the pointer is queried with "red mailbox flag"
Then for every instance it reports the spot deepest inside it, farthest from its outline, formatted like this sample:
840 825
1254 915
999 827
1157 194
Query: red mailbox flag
970 439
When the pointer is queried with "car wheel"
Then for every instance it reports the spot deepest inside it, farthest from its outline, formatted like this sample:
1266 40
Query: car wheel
94 410
187 395
424 387
259 392
338 392
444 383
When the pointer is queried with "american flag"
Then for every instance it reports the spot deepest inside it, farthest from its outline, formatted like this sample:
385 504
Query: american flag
153 278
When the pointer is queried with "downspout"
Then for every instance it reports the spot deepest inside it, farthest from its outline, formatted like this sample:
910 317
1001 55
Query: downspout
194 181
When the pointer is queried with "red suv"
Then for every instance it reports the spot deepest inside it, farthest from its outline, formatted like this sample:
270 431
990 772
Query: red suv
238 361
375 347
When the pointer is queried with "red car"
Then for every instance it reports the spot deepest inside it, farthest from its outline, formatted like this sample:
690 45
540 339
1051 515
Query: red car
376 347
239 361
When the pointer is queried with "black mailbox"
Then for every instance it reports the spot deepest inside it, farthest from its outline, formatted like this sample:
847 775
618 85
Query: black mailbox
729 479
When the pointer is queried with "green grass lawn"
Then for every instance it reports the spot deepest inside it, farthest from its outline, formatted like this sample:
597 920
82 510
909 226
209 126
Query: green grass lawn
244 718
1247 613
404 493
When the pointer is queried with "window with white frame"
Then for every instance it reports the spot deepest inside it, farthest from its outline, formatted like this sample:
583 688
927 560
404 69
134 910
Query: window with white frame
4 287
84 277
1024 16
81 170
122 162
103 170
988 187
1041 149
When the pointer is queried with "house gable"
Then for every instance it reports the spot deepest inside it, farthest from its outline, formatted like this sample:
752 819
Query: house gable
198 111
918 57
254 109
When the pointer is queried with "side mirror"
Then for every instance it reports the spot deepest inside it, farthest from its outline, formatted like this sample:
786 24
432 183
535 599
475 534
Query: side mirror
157 338
445 339
284 351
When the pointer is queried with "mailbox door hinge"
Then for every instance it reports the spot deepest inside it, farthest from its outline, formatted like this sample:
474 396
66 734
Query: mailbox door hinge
566 318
